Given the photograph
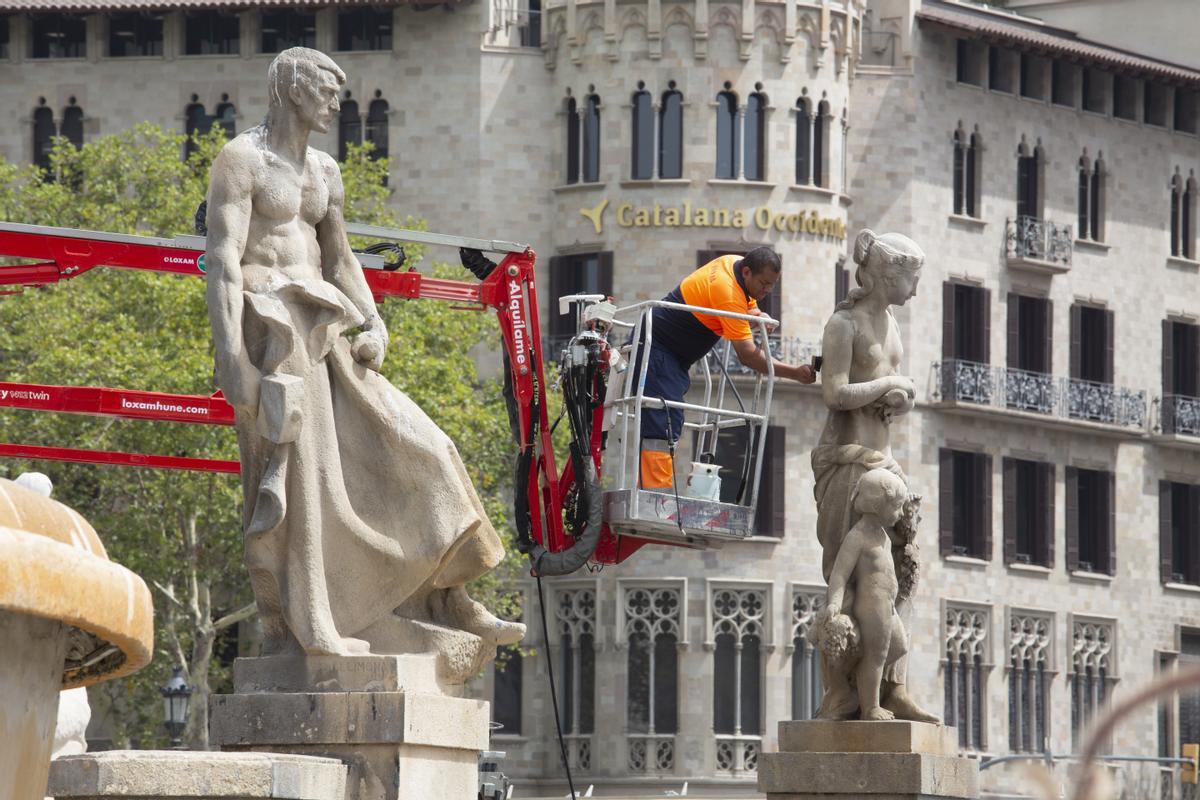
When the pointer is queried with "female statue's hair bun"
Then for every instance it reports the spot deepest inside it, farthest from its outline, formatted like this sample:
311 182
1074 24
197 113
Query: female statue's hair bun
862 245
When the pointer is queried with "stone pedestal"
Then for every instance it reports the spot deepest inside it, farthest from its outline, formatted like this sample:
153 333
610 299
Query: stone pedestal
819 760
405 734
182 775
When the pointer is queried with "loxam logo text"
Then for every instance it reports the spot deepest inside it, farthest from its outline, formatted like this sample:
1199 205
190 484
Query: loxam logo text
178 260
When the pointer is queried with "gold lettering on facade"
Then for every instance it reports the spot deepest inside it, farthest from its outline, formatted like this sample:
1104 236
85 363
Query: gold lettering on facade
764 218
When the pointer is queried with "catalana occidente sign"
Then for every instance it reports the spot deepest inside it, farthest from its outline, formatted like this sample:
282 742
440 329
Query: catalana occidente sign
685 215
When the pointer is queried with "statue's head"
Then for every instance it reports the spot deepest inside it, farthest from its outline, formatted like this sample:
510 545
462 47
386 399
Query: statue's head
307 81
890 264
881 493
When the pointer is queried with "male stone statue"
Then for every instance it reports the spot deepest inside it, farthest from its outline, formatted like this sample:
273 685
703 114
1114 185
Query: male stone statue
356 503
864 390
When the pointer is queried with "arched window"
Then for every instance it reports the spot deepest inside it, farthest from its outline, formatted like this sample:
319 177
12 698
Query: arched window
376 131
643 134
960 171
350 129
572 113
591 139
43 134
1029 174
821 145
1176 205
670 134
72 124
1090 196
727 134
755 137
653 618
226 117
195 123
804 123
974 158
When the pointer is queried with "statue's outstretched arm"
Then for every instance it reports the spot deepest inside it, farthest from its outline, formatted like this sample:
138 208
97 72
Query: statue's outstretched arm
341 268
230 204
837 348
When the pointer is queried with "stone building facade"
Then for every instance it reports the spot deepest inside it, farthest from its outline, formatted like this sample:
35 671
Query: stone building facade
1053 339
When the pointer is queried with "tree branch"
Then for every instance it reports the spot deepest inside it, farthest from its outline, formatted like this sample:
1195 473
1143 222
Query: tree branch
232 618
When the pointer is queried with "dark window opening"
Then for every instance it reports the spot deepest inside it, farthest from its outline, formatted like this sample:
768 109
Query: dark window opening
4 23
1186 117
966 173
43 134
643 135
531 31
971 62
755 138
1091 344
1189 700
965 500
653 661
1002 69
583 273
58 35
364 28
804 124
572 141
1033 76
350 127
135 34
1062 83
727 135
1154 105
211 33
71 128
1029 333
1028 512
1095 89
969 328
195 123
670 135
726 688
226 118
1029 183
591 139
820 143
735 453
1179 517
1124 97
376 129
283 29
1181 359
841 281
1090 520
507 691
578 665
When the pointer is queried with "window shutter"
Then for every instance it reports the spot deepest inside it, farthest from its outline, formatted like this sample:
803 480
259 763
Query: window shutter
1112 519
605 276
1193 568
1168 357
1076 342
983 465
777 450
984 300
1166 558
1072 519
1014 332
1109 333
1009 467
1046 514
1048 339
946 500
948 321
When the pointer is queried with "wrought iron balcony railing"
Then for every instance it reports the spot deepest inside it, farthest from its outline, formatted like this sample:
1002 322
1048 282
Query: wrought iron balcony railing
1178 414
788 349
960 381
1034 239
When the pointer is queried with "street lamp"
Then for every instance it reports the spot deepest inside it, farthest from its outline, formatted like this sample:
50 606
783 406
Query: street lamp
175 706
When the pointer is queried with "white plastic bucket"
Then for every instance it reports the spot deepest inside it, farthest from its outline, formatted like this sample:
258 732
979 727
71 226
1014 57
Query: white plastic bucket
704 481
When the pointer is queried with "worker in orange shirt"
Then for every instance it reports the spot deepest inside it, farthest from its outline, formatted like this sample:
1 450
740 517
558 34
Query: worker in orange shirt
681 338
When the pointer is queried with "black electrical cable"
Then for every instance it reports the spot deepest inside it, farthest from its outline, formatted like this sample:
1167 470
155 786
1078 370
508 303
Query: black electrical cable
562 742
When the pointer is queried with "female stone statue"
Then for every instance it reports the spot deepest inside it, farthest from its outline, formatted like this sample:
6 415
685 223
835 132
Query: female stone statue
862 387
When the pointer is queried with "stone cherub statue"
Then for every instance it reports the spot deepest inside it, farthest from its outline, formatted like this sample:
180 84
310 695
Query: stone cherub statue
864 391
361 524
864 580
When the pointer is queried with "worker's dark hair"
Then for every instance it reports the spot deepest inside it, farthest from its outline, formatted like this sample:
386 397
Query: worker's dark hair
761 258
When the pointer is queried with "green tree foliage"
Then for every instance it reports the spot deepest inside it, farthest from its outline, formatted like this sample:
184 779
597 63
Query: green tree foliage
181 531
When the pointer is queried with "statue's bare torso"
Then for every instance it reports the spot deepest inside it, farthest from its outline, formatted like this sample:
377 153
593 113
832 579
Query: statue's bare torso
875 352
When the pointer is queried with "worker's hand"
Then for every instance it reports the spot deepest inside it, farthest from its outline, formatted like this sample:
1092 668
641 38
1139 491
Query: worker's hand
240 382
806 374
757 312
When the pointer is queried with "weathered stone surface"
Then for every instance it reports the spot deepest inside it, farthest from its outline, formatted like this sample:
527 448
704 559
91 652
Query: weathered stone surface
896 736
169 774
348 718
371 673
31 659
782 775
